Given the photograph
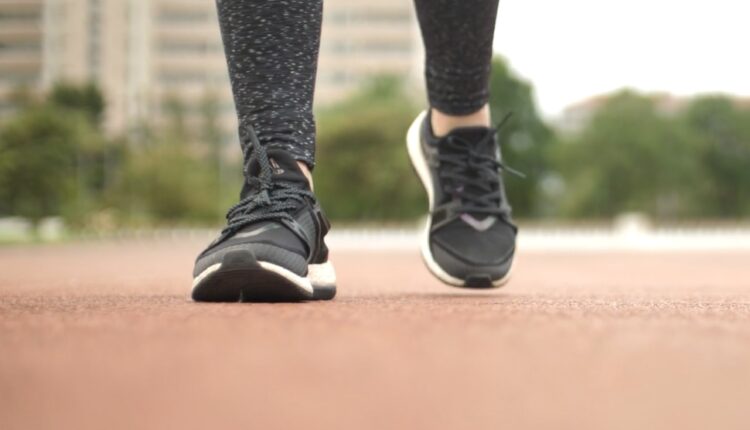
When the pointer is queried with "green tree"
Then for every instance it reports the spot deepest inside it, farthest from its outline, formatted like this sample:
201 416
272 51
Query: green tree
721 131
525 140
171 175
86 98
96 156
40 169
366 173
630 157
212 140
163 182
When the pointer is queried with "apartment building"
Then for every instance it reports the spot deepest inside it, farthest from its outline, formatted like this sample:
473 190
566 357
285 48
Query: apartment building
143 53
362 39
21 47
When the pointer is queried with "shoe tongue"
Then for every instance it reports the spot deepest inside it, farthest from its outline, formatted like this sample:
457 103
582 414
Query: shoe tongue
474 135
284 168
470 134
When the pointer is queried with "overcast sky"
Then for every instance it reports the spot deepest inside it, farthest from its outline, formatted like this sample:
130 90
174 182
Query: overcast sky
572 49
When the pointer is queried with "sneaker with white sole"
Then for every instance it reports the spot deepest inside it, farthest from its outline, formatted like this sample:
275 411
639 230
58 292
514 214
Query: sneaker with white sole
272 248
469 239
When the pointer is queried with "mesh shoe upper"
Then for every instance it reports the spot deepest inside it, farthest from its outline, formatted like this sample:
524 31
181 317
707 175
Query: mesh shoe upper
277 218
471 231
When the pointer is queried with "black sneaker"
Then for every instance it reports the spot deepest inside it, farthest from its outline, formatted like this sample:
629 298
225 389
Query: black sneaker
272 248
470 238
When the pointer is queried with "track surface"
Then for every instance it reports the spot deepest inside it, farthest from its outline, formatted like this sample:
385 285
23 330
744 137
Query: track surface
102 336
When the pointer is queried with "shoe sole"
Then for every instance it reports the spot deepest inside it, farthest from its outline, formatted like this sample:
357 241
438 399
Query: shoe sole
419 163
239 277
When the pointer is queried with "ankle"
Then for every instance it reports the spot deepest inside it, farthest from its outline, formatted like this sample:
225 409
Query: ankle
443 123
306 172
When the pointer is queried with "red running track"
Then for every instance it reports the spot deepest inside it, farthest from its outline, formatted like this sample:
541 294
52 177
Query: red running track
102 336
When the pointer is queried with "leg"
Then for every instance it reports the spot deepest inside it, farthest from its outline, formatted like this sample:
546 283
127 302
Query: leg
272 54
470 238
272 248
457 37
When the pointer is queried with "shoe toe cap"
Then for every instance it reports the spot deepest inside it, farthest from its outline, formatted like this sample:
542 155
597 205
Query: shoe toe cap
472 272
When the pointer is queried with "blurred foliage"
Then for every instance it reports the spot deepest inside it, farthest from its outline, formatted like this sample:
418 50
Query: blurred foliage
365 172
629 158
161 182
525 141
86 99
56 161
46 163
630 155
721 135
29 144
173 174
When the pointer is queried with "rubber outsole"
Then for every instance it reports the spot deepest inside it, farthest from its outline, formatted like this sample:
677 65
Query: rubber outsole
324 292
241 278
419 164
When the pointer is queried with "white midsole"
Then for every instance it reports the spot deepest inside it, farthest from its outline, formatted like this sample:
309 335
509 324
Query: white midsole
419 162
297 280
207 271
320 275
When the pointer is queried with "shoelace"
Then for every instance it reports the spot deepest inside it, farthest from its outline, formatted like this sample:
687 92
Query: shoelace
472 176
270 199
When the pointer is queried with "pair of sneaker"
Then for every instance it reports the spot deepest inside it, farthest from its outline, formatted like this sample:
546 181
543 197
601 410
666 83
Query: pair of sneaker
273 246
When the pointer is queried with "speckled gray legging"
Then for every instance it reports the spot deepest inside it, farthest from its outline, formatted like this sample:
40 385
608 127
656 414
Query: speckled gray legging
272 52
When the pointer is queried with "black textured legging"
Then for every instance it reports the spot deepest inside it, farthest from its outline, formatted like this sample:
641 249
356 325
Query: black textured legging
272 52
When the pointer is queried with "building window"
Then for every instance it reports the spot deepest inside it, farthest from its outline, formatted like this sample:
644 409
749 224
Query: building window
191 78
20 16
18 79
370 16
183 16
371 47
94 34
21 47
186 47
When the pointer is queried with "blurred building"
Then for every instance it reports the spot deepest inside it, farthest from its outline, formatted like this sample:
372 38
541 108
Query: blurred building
143 53
578 115
21 41
365 38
